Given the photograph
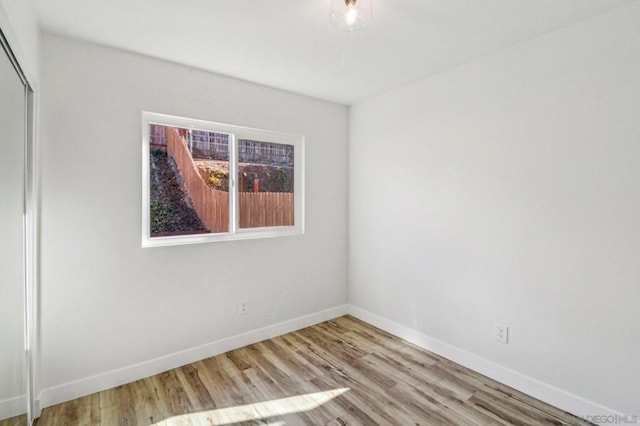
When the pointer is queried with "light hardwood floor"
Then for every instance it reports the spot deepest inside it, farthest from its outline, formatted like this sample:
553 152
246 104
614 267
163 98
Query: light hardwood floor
335 373
15 421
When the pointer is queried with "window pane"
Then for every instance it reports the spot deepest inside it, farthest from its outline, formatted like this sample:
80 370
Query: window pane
265 184
189 181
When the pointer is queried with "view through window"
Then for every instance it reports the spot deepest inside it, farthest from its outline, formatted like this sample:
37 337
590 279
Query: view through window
209 181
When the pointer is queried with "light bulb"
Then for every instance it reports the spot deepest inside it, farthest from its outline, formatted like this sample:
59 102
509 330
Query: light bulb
351 15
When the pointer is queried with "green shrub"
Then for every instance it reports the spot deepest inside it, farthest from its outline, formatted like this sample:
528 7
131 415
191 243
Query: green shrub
215 175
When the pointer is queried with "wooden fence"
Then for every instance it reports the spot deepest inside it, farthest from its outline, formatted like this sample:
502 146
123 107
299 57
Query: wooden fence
256 209
211 205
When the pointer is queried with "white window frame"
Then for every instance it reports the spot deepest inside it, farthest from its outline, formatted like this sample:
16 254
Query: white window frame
236 133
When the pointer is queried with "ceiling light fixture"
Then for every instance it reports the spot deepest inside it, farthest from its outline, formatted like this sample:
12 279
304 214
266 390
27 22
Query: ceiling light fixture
350 15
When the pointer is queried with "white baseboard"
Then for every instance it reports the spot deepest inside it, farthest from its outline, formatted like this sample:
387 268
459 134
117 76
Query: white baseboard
544 392
13 407
110 379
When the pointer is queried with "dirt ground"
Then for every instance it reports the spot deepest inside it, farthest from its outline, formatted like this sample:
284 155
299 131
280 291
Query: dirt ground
171 208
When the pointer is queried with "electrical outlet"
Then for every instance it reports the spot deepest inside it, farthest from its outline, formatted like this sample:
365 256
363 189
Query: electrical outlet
502 333
243 307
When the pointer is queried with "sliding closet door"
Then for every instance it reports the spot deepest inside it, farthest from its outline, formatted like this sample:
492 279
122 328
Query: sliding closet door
12 280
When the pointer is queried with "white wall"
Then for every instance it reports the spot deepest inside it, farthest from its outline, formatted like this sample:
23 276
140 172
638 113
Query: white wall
109 304
508 190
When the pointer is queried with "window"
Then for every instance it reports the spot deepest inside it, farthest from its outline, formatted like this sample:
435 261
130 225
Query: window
204 181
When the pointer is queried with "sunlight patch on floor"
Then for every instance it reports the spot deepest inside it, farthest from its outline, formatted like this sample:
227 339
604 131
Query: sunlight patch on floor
255 411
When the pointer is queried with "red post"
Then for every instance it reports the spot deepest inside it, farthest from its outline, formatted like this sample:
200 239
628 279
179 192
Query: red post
256 185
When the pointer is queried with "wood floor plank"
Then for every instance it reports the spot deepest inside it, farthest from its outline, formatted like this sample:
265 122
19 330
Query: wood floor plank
226 386
195 390
171 396
145 402
290 379
340 372
15 421
431 391
356 401
428 410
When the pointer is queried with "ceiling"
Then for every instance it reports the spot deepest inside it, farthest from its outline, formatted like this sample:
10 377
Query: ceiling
290 45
